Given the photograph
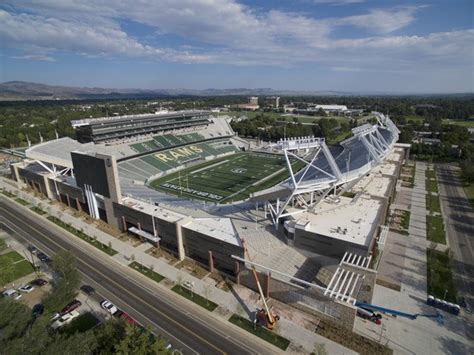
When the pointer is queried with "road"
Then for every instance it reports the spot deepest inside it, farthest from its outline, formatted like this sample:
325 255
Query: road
459 221
186 326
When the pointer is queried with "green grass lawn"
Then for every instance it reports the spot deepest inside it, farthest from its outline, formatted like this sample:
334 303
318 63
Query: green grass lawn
105 248
432 186
439 275
430 174
469 190
435 229
286 117
228 179
467 123
261 332
194 297
38 210
414 118
406 219
81 324
8 194
432 203
146 271
13 266
21 201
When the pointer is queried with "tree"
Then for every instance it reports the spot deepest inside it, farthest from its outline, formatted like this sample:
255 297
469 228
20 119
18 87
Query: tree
66 285
140 341
109 334
14 319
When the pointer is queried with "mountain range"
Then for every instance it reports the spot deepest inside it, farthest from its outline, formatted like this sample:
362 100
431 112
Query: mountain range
22 90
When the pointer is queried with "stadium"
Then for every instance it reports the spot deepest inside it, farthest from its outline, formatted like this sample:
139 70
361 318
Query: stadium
186 183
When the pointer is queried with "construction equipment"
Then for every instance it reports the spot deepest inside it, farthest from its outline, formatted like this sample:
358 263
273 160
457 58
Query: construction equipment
264 316
366 308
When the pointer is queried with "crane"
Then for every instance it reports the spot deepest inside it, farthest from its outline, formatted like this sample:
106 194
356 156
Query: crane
264 315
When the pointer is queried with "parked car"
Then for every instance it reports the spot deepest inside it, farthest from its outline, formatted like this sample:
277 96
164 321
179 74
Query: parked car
109 306
26 288
55 316
37 310
12 294
32 249
126 318
65 319
88 290
71 306
39 282
43 257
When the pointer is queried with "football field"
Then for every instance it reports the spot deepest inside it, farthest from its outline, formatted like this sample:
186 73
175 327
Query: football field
225 180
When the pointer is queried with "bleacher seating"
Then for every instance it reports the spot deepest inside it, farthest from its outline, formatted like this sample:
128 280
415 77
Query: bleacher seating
148 165
165 141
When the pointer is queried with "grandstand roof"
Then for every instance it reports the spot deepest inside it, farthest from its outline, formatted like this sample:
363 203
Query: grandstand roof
113 119
58 151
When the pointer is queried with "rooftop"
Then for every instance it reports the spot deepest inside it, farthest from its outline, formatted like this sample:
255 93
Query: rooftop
152 210
351 220
374 185
218 228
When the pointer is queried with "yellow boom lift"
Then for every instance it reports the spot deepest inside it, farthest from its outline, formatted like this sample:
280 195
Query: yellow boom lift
265 316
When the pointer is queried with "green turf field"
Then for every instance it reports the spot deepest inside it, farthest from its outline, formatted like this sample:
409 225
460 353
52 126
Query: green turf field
228 179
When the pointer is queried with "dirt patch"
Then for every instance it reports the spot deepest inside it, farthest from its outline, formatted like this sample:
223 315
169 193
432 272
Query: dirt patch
221 282
350 339
160 253
35 297
195 269
106 228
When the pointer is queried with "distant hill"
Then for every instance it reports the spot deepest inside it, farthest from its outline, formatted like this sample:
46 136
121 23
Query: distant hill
22 90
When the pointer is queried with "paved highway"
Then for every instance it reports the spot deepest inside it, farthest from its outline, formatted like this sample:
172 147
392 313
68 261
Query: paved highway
459 220
187 326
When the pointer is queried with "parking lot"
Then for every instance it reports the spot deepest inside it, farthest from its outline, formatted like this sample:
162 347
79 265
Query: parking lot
25 257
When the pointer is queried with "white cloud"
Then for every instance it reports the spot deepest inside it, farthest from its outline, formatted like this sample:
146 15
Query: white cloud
35 32
224 31
382 21
339 2
40 57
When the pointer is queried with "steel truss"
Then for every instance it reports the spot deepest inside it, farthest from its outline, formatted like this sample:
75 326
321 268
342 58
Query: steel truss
306 194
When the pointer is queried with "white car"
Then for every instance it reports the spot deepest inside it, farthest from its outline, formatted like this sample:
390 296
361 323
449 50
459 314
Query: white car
109 307
26 288
55 316
65 319
12 294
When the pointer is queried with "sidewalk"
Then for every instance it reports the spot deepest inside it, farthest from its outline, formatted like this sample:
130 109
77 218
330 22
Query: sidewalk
227 301
423 335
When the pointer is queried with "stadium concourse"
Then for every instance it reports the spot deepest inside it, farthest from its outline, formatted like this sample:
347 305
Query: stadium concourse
186 183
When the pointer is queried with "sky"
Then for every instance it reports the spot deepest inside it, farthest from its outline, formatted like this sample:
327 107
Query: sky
391 46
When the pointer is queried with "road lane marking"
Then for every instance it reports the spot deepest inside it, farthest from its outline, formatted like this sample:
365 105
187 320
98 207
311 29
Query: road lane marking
48 250
119 272
143 301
